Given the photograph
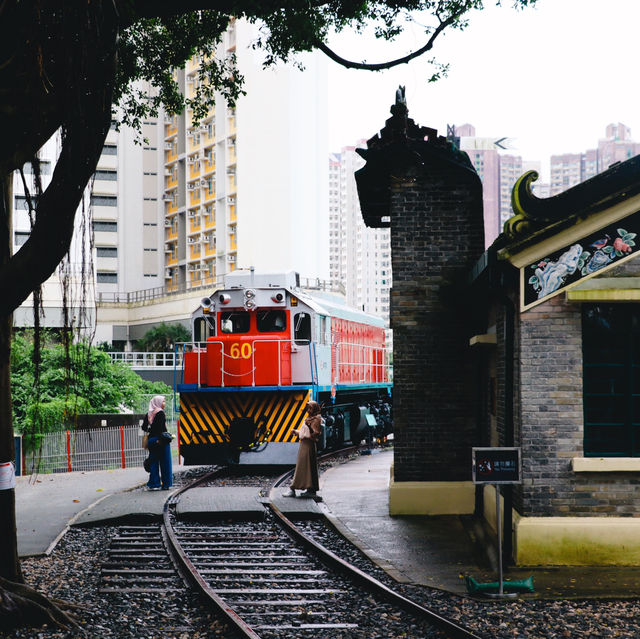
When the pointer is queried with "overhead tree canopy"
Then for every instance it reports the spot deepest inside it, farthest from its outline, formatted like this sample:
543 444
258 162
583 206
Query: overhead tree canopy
64 65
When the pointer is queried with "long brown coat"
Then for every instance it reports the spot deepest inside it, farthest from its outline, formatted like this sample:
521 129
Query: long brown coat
306 474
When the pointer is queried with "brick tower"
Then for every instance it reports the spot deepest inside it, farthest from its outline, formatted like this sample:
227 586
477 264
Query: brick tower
427 191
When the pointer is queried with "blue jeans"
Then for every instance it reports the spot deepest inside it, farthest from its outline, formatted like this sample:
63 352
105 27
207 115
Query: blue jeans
161 464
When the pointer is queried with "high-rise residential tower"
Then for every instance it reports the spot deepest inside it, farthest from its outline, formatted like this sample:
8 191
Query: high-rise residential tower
360 257
244 187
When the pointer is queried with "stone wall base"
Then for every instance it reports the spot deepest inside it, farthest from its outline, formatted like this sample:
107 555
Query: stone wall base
431 497
570 541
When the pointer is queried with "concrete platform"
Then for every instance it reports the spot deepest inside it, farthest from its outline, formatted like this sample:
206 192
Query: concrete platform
218 501
47 504
129 506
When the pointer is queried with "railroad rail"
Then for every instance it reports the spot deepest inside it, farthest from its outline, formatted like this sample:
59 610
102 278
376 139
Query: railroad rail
267 577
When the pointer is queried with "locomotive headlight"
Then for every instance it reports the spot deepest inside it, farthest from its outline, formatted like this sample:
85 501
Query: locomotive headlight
224 298
249 305
249 294
277 297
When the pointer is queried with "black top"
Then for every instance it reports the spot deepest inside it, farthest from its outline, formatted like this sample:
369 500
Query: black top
158 426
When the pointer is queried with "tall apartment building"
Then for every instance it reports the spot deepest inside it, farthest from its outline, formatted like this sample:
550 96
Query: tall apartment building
80 298
126 200
498 173
246 186
569 169
243 187
360 257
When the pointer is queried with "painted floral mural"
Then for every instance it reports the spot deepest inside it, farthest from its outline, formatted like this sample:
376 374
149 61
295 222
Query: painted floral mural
575 262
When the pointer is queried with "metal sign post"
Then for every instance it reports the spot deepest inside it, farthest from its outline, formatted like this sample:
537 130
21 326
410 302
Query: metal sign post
497 466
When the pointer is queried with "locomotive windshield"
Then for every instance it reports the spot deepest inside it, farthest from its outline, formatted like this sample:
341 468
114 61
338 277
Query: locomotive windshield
271 321
234 322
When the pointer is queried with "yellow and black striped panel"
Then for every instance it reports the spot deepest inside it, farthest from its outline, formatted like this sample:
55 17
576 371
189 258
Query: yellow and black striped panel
205 418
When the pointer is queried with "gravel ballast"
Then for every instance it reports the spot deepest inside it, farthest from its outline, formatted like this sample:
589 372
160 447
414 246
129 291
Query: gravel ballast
71 573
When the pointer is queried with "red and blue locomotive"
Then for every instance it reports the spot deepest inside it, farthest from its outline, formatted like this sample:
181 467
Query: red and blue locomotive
262 347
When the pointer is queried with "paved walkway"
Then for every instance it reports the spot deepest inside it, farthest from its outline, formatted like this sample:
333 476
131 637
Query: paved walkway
431 551
45 504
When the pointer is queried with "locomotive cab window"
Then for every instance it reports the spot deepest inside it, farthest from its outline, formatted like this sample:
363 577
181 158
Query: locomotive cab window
234 322
302 328
202 329
271 321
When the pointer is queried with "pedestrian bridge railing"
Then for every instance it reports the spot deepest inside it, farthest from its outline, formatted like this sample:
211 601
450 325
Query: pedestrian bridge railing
148 360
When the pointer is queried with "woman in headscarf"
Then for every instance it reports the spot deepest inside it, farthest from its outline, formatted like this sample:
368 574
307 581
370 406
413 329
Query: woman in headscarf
155 424
306 475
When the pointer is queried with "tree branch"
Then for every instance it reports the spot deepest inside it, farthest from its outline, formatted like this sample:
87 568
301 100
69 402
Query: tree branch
87 124
392 63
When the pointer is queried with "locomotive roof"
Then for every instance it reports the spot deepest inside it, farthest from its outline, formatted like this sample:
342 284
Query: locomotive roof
335 308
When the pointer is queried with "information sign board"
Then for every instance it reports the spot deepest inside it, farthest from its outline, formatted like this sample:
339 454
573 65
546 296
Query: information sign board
496 465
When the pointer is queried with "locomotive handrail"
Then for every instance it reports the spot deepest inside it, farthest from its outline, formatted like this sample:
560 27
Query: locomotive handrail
362 368
201 348
367 366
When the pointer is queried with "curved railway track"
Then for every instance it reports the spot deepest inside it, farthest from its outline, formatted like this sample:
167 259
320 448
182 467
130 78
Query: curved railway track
267 577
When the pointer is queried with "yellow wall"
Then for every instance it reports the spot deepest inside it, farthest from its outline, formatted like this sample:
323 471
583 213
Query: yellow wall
431 498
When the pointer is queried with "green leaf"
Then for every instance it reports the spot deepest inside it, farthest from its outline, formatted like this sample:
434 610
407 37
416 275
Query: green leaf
621 232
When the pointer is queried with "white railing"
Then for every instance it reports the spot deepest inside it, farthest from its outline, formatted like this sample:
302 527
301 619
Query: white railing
147 360
201 349
361 369
369 365
83 450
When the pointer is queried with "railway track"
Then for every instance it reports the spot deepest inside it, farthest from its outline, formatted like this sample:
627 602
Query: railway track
266 577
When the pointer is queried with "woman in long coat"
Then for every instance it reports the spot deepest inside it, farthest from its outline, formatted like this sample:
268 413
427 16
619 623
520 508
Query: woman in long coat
306 475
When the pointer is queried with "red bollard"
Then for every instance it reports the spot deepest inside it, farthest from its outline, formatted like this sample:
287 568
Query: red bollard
124 465
68 452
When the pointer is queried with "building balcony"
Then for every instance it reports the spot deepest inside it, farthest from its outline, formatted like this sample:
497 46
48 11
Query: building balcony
209 166
170 152
171 181
195 251
170 130
209 222
194 169
194 197
232 213
172 259
194 224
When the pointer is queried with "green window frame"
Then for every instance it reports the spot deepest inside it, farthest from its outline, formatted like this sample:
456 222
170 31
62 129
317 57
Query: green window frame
611 379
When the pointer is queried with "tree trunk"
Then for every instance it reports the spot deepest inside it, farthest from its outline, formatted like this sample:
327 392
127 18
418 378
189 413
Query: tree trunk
9 563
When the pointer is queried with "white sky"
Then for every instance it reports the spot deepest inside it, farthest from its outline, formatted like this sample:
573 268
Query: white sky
551 77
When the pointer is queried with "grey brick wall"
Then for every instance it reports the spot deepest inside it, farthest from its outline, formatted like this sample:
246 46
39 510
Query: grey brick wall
549 424
436 237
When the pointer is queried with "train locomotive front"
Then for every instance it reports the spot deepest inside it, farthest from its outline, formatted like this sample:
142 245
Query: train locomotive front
262 347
